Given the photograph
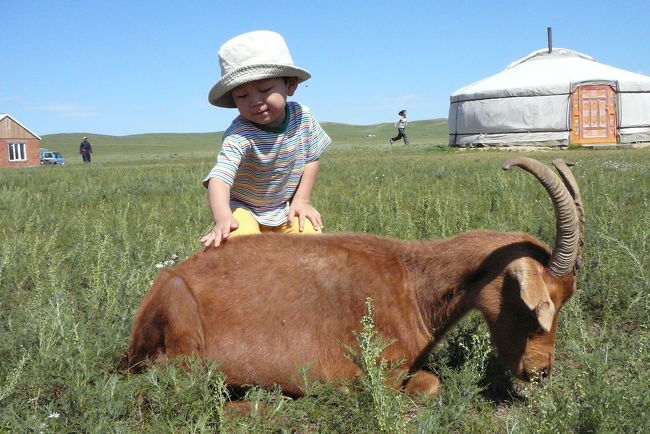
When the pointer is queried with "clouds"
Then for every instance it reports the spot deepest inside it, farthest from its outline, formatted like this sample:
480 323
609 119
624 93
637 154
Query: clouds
5 98
399 100
62 109
51 116
66 110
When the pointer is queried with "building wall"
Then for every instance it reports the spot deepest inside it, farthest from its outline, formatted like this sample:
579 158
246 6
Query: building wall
13 132
32 149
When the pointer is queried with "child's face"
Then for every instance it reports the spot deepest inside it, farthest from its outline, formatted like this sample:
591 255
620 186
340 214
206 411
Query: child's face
263 101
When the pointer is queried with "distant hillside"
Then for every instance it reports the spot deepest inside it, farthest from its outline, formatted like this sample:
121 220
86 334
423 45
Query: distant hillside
163 139
430 132
420 132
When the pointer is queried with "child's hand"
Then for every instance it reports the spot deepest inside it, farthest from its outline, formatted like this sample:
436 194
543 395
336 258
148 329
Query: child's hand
304 210
220 232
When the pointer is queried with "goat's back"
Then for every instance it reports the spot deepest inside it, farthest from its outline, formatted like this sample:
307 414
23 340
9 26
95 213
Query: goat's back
269 305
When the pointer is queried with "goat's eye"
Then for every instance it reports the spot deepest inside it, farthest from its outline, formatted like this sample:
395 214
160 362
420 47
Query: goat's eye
537 331
528 321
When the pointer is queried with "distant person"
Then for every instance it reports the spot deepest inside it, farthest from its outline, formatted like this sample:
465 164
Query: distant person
268 164
401 128
85 150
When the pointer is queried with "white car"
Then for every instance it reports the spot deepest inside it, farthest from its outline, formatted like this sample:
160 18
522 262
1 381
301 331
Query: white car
51 157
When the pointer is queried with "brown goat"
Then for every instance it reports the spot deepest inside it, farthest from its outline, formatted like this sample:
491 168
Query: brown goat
267 306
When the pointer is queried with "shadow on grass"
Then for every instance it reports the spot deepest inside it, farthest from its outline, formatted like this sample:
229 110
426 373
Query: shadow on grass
499 386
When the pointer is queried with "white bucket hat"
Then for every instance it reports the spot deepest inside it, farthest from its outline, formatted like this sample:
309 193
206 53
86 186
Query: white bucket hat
252 56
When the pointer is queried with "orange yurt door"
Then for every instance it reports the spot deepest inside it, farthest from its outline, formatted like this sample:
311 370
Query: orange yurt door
593 115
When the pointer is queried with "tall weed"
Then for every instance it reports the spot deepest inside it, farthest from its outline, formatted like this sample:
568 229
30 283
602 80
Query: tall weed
385 405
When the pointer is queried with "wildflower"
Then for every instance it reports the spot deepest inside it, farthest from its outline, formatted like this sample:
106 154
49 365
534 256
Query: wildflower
54 415
169 262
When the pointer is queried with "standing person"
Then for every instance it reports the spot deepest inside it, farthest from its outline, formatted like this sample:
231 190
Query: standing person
85 150
267 167
401 128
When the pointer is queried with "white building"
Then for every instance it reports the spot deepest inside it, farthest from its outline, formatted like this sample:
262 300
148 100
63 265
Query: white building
555 99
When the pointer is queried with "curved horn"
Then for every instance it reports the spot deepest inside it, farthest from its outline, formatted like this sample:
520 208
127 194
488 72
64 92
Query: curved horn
568 232
564 169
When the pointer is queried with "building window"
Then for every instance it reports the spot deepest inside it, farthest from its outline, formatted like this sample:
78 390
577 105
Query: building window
17 152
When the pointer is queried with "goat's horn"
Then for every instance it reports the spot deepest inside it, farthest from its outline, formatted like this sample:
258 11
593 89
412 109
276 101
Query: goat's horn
568 231
564 169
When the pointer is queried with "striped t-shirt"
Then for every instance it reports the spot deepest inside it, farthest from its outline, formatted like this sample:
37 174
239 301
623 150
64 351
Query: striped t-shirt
263 168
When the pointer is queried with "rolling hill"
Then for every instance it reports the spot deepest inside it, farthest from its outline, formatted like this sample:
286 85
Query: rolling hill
140 145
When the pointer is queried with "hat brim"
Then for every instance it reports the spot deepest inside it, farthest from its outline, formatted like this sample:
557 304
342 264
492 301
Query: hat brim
220 92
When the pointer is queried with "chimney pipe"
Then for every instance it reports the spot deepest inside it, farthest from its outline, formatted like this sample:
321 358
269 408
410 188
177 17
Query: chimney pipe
549 33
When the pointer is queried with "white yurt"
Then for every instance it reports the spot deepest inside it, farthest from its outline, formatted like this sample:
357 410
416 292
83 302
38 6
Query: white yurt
552 98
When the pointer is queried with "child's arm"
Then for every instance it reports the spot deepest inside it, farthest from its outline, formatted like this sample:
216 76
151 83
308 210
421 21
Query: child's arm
224 222
301 204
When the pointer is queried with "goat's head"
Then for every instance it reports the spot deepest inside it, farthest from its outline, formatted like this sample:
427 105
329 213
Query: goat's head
523 315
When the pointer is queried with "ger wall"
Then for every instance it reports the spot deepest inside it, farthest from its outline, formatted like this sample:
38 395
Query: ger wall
510 121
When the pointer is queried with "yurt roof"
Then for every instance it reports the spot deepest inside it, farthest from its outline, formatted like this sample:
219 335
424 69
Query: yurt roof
544 73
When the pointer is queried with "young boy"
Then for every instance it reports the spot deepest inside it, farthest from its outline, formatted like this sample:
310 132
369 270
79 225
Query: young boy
268 163
401 128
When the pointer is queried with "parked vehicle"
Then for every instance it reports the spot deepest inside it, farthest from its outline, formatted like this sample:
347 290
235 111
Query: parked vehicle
51 157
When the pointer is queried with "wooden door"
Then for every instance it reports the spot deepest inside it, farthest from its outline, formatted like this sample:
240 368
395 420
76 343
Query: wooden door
593 115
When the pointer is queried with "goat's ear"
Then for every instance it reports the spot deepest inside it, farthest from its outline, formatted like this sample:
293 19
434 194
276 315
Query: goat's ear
533 290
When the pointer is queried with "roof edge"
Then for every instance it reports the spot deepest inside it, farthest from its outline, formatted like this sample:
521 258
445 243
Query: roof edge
555 52
5 115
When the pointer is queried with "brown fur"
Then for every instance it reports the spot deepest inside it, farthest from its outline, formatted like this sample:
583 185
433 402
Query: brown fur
267 306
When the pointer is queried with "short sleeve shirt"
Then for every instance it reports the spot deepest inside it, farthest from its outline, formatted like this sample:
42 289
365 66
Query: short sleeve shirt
264 168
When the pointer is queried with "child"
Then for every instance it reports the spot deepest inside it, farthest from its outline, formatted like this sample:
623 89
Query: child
401 128
268 163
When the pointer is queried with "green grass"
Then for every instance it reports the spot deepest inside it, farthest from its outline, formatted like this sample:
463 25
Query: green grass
80 244
142 147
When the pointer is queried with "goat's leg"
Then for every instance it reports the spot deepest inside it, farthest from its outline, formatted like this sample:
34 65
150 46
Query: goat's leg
423 383
183 330
167 325
419 384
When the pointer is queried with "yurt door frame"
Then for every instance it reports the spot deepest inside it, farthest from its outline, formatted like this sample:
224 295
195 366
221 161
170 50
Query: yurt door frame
593 115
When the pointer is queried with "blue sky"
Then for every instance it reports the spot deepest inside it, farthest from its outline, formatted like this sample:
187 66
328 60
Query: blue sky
129 67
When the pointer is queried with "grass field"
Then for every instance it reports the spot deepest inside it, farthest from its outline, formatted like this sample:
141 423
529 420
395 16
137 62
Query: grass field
80 245
164 146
